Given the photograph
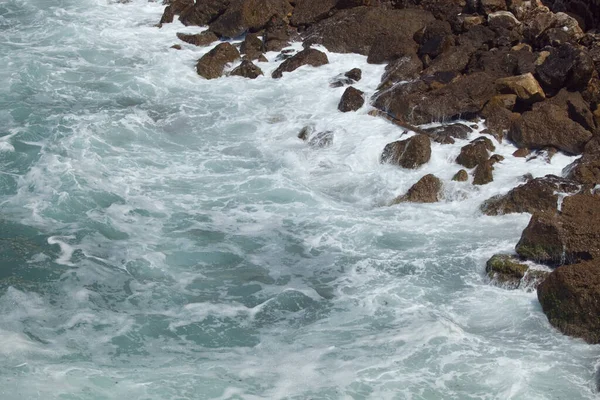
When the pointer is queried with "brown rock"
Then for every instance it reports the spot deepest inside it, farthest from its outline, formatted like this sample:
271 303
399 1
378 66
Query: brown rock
505 271
454 59
176 47
174 8
570 299
427 190
252 46
445 134
527 89
277 34
566 66
483 173
585 170
521 153
352 100
536 195
503 19
461 176
474 153
498 118
248 15
434 39
203 12
316 139
201 39
311 57
307 12
410 153
212 64
491 6
247 70
348 78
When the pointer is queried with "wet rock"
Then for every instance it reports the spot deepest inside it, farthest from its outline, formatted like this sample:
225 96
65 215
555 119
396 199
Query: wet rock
203 12
348 78
454 59
410 153
427 190
566 66
307 12
403 69
252 46
311 57
521 153
566 237
352 100
201 39
483 173
173 9
525 87
498 118
277 34
474 153
434 39
496 158
569 297
446 134
176 47
355 74
478 37
505 270
355 30
585 170
461 176
212 64
247 70
316 139
536 195
248 15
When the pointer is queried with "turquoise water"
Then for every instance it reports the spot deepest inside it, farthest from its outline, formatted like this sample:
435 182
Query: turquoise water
167 237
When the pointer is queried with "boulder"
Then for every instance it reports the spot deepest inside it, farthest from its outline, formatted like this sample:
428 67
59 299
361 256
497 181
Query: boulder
277 34
384 50
569 297
483 173
585 170
501 63
403 69
307 12
201 39
461 176
427 190
536 195
505 271
203 12
348 78
409 153
352 100
549 124
434 39
569 236
503 20
445 134
252 46
175 8
247 70
525 87
355 30
474 153
498 118
566 66
492 6
212 64
248 15
311 57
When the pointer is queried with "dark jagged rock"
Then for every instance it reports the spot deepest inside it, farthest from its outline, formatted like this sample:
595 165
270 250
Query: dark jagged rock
427 190
252 46
385 50
352 100
200 39
247 70
446 134
536 195
403 69
277 34
455 59
311 57
355 30
173 9
203 12
566 237
569 297
307 12
348 78
213 63
587 12
502 63
248 15
461 176
434 39
410 153
483 173
566 66
475 153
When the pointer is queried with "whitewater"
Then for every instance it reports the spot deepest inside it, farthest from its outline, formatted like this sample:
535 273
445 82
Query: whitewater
163 236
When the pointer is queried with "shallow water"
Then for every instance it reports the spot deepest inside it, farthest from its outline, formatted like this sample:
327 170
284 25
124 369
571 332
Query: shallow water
167 237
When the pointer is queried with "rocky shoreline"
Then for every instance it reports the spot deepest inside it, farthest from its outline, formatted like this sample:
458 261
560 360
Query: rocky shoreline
529 70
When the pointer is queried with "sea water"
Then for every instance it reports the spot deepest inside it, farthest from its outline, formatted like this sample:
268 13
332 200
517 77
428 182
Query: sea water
163 236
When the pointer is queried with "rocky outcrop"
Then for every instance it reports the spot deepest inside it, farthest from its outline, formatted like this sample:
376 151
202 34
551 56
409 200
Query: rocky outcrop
445 134
243 16
505 270
311 57
247 70
427 190
566 66
173 9
569 236
525 87
536 195
475 153
352 100
410 153
585 170
201 39
252 47
570 298
212 64
307 12
483 173
203 12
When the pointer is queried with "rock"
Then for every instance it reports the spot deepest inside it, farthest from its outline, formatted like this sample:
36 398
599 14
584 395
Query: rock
352 100
505 270
403 69
527 89
175 8
576 107
483 173
500 63
454 59
446 134
547 125
461 176
463 97
566 237
521 153
201 39
307 12
503 19
355 30
311 57
410 153
212 64
492 6
569 297
498 118
383 51
248 15
426 190
496 158
566 66
247 70
355 74
536 195
478 37
176 47
474 153
252 46
203 12
585 170
262 58
434 39
316 139
348 78
277 34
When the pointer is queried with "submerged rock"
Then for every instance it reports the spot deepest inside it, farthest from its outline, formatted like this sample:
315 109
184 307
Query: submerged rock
247 70
316 139
461 176
351 100
311 57
348 78
483 173
505 270
410 153
427 190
